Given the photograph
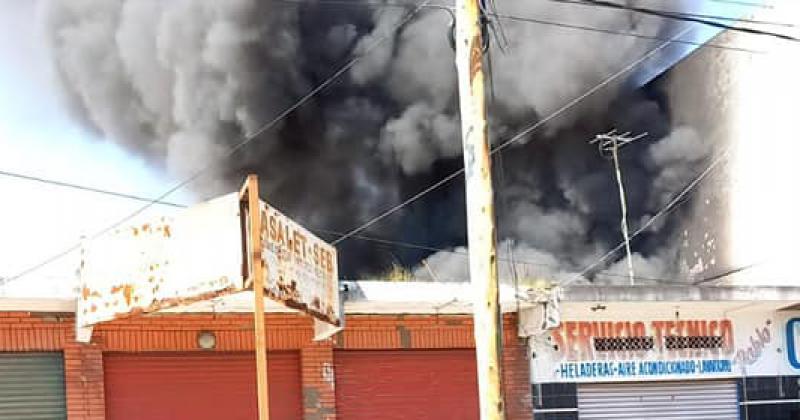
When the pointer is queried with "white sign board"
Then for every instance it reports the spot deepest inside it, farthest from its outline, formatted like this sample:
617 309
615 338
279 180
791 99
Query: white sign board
300 269
654 347
192 256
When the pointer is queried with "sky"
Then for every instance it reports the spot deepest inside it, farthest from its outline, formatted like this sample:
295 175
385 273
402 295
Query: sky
38 138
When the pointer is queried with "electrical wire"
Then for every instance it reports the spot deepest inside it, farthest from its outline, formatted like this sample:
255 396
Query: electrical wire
85 188
531 20
664 210
678 16
745 3
321 231
246 139
727 273
626 33
515 138
465 254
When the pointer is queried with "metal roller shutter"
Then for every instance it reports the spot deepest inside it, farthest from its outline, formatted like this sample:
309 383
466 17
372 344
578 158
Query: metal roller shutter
32 386
713 400
198 386
406 384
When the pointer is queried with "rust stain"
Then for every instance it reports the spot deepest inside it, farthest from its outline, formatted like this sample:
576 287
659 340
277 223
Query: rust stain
116 289
135 231
167 233
146 227
128 293
94 308
475 59
85 293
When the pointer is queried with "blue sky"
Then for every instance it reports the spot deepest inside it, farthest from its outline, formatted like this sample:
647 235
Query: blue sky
37 137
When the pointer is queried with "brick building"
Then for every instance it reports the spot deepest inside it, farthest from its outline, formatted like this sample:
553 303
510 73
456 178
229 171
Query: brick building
394 360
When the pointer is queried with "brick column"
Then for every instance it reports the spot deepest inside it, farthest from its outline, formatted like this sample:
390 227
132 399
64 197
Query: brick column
83 374
319 387
516 373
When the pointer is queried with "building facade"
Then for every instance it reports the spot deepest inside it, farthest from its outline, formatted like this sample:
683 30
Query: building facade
721 353
201 366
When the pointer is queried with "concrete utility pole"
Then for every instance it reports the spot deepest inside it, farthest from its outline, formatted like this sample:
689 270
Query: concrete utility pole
610 143
481 235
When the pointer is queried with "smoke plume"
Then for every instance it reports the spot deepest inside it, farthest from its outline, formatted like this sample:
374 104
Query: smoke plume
180 82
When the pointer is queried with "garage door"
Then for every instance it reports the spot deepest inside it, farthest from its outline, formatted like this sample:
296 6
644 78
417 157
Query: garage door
32 386
712 400
198 386
406 385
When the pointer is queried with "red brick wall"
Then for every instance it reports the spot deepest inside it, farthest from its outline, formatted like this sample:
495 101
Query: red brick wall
319 388
25 331
83 376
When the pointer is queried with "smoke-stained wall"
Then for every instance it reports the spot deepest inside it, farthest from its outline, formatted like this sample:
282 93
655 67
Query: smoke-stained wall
180 82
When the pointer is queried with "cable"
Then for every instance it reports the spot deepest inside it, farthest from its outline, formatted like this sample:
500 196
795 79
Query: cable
514 260
383 241
625 33
678 16
85 188
727 273
512 140
247 138
317 230
745 3
666 209
530 20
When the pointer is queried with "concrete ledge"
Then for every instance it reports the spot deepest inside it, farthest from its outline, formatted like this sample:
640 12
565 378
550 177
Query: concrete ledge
680 294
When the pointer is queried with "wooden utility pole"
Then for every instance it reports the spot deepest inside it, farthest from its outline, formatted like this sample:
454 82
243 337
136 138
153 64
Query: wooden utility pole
481 234
256 270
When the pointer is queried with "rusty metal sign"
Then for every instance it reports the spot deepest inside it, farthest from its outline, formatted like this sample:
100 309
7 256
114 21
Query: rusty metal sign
195 255
300 269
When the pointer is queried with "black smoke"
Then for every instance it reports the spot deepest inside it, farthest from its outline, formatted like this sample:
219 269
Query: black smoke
180 82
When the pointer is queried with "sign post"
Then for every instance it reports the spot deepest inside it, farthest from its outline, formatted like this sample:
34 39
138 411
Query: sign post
254 268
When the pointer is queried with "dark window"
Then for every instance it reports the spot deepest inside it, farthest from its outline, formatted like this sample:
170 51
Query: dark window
788 411
623 343
675 342
555 395
555 416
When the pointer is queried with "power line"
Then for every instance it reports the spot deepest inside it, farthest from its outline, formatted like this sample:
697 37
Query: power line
531 20
374 239
510 259
383 241
85 188
511 140
666 209
678 16
626 33
727 273
247 138
745 3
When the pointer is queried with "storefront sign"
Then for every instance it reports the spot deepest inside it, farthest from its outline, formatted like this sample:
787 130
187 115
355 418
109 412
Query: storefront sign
603 350
164 262
660 348
301 269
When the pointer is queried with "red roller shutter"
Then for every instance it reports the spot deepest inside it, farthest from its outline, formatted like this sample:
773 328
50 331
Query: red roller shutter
198 386
406 384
